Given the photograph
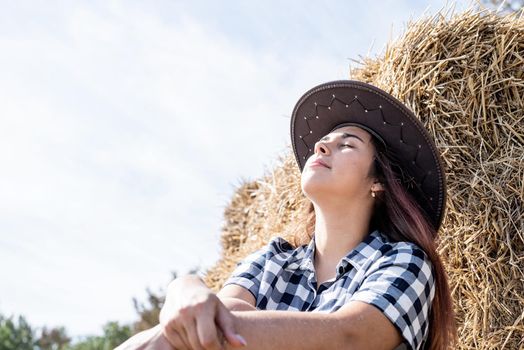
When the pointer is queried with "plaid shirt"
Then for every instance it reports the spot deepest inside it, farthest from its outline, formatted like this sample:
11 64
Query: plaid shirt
395 277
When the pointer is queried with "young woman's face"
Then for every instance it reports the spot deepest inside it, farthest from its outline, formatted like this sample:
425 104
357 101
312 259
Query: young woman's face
340 165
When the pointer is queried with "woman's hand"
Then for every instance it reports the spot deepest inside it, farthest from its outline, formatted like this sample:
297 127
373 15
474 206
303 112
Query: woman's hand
194 318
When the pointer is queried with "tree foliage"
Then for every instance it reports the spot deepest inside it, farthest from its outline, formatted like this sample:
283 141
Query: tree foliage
16 334
114 335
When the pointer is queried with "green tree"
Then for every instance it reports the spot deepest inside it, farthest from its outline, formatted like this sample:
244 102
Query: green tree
16 335
114 335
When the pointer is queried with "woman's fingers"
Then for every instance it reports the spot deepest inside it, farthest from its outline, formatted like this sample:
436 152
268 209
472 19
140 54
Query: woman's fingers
207 331
198 343
175 339
226 321
183 329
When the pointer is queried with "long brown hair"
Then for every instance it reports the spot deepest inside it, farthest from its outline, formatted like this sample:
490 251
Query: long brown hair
397 214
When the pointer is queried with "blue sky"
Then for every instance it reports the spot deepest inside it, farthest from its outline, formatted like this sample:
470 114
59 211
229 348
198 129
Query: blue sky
126 125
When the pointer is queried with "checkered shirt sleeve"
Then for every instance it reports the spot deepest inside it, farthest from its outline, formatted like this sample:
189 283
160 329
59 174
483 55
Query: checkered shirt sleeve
401 284
249 272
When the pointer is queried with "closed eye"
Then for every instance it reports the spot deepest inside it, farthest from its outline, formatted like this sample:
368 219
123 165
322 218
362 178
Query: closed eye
346 145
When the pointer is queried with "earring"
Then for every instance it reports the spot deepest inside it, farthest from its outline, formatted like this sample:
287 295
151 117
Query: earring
373 194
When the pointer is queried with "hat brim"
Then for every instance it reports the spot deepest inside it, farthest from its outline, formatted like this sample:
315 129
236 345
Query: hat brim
330 105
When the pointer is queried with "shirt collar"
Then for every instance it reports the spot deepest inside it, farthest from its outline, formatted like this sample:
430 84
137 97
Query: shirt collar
302 257
356 257
308 258
365 249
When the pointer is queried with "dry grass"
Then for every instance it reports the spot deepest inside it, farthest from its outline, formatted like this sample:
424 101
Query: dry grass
463 75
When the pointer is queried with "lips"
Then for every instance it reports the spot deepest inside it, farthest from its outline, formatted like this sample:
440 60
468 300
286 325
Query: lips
318 162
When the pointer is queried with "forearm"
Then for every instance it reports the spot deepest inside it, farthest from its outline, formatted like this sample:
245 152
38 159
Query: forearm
234 304
264 330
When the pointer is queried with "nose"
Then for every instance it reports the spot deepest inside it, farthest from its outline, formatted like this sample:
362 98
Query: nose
322 147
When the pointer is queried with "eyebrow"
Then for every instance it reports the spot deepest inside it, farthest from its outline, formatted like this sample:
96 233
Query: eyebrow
344 136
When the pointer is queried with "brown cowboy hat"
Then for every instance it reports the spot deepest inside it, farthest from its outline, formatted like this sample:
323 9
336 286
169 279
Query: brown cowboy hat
346 102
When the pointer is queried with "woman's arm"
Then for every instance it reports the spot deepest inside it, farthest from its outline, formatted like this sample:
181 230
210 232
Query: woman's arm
357 325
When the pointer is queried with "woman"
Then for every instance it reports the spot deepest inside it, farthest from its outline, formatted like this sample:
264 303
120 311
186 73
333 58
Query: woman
369 276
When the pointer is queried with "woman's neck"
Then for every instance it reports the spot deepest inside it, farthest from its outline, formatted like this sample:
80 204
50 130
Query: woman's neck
338 231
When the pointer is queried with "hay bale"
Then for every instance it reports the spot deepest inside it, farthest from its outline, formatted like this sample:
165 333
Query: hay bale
463 76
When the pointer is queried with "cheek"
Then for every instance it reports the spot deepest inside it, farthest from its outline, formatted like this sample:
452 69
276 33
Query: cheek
352 173
346 181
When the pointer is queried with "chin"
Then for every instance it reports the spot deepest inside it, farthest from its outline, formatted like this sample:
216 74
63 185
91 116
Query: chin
318 189
313 186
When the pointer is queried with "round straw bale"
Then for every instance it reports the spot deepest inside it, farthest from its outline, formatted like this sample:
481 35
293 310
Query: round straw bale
463 76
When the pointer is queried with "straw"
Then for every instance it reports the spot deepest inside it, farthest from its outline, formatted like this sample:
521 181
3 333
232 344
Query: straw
463 75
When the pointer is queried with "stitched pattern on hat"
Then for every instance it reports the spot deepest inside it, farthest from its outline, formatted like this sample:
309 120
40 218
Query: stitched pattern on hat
407 179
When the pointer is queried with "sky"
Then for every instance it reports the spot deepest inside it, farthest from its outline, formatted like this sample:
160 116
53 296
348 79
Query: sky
125 127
